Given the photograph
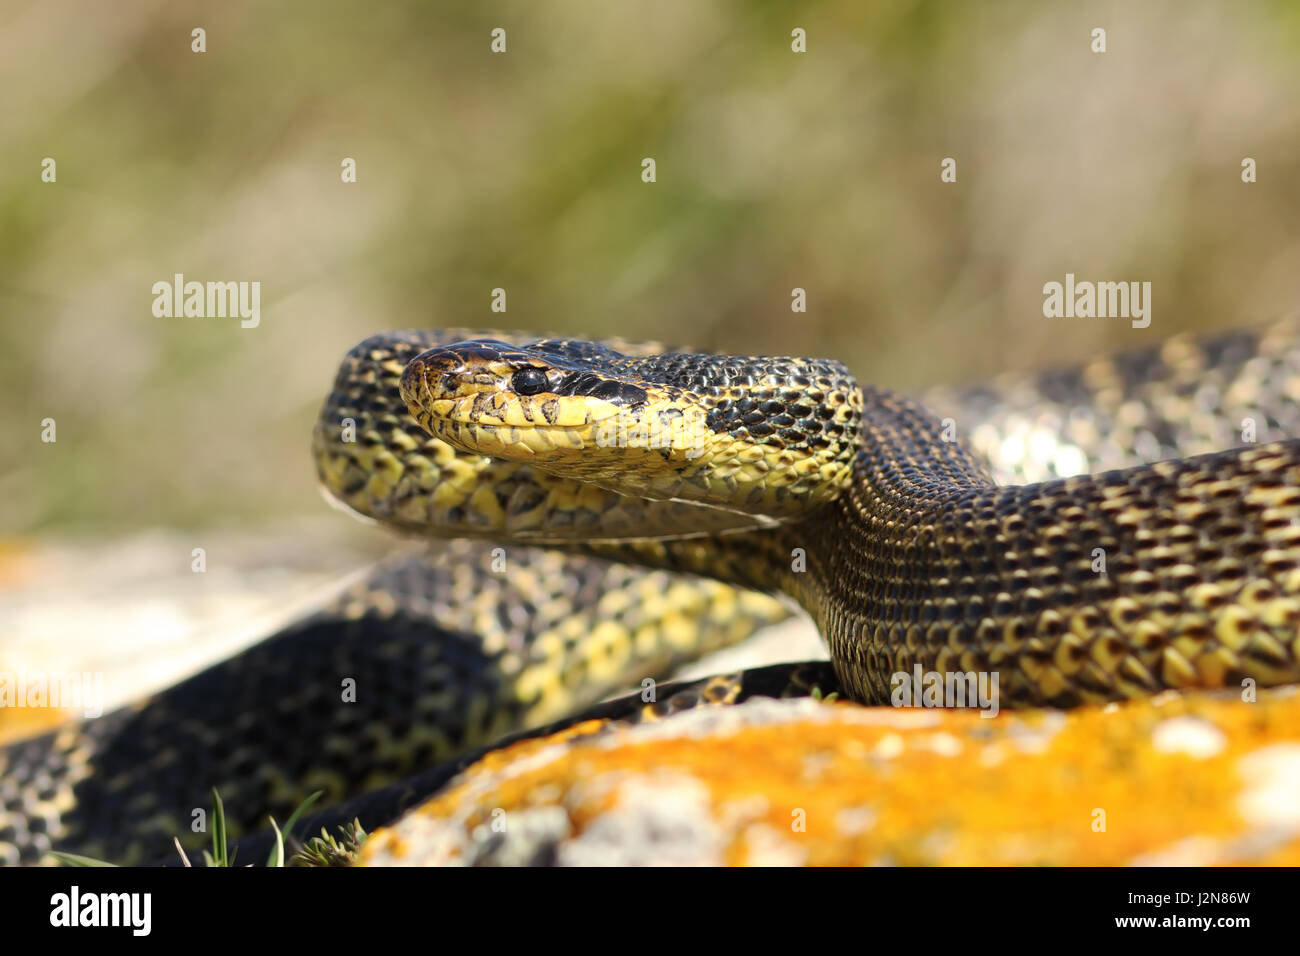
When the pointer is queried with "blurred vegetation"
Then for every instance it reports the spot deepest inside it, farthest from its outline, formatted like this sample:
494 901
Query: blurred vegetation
522 171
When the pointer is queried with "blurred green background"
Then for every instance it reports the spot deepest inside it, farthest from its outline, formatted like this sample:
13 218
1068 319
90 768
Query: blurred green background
523 171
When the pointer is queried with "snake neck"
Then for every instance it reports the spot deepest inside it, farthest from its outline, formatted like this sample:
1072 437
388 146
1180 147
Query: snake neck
1178 575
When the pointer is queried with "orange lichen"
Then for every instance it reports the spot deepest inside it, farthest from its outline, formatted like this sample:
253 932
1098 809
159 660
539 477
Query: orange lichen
21 722
1198 778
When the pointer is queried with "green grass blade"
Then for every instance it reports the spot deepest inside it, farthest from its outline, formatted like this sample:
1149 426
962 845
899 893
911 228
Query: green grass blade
218 831
276 857
74 859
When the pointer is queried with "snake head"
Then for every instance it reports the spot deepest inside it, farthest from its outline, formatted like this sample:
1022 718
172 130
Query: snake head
760 435
515 402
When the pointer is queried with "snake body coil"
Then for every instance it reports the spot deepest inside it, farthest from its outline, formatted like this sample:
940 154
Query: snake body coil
773 474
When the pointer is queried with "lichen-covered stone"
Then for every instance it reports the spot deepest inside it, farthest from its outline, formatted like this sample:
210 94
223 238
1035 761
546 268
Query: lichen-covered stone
1174 779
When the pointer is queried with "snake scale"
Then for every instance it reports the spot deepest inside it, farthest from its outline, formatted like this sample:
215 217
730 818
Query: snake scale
879 517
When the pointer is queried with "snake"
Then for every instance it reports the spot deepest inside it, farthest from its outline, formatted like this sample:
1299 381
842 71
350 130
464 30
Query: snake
1090 534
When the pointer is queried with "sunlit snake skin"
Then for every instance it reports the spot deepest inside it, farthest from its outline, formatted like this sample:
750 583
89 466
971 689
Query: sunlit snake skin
1182 394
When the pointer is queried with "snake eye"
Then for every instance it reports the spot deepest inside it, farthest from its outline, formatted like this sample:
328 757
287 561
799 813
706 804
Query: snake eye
529 381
